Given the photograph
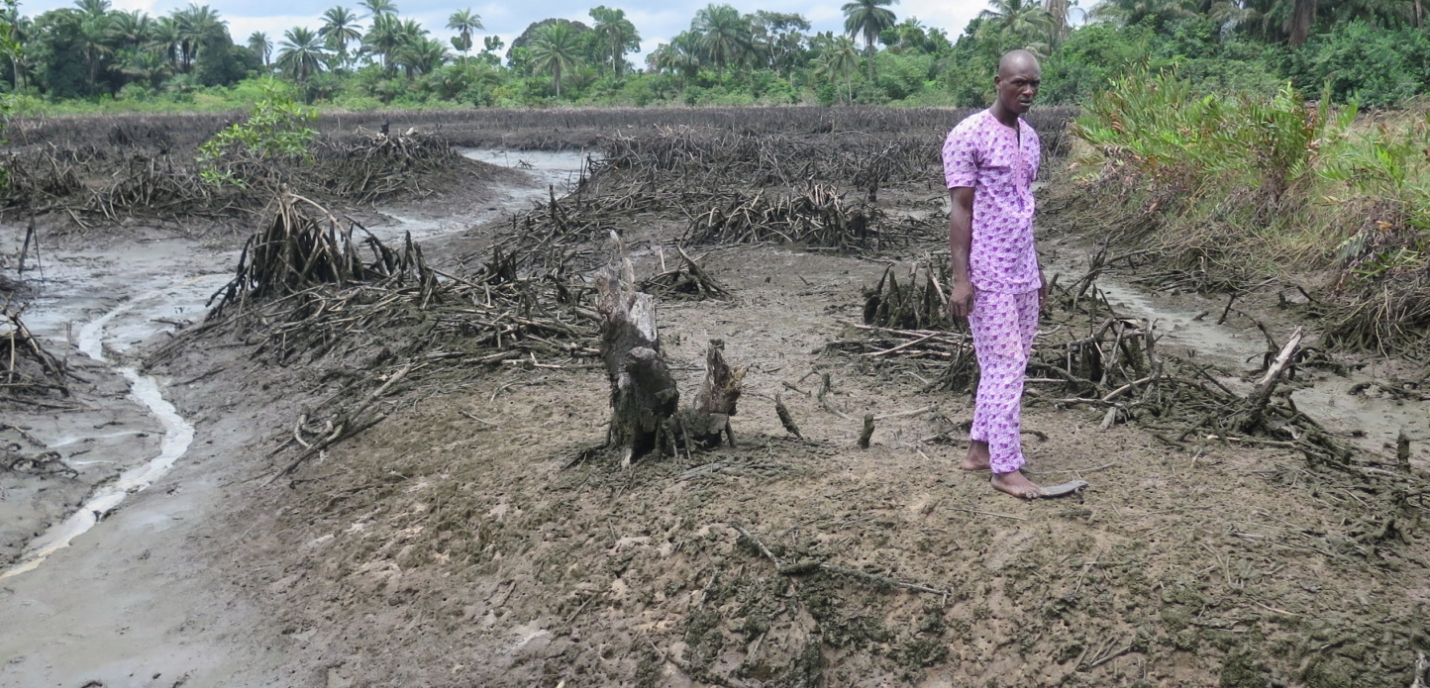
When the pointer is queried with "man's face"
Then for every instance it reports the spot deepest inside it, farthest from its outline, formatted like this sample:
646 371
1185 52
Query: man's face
1018 86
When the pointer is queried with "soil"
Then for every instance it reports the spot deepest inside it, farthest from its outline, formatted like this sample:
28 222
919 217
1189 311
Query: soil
464 542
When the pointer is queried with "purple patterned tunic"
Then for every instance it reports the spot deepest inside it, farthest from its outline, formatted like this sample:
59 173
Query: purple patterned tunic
984 154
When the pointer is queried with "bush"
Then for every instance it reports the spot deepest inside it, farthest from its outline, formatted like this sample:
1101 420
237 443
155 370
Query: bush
1358 62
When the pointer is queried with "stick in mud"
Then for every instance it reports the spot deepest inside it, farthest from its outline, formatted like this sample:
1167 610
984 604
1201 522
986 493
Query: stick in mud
786 419
868 432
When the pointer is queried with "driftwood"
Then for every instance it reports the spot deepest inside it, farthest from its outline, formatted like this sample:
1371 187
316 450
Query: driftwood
686 280
786 419
1261 396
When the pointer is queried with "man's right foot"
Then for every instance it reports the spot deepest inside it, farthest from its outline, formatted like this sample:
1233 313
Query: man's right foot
977 459
1016 484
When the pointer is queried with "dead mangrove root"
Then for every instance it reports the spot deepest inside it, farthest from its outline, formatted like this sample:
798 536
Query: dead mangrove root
26 367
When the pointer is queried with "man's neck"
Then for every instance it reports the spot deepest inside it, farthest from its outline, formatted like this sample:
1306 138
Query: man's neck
1003 115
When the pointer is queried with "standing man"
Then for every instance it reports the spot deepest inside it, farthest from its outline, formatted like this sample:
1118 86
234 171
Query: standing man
990 160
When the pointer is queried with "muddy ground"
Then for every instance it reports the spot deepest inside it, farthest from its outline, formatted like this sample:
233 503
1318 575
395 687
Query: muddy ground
461 543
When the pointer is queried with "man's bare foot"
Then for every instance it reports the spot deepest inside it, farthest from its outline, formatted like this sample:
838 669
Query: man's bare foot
1015 484
977 459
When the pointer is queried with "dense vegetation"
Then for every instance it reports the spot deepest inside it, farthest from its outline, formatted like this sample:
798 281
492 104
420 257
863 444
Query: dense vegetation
91 57
1230 191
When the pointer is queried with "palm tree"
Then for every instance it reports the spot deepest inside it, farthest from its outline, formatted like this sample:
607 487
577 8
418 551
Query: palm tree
839 58
725 36
197 25
911 34
149 67
93 8
868 18
94 36
166 39
1130 12
384 37
421 56
409 36
131 28
378 7
340 27
615 35
1018 21
301 53
260 45
464 22
680 56
556 49
19 34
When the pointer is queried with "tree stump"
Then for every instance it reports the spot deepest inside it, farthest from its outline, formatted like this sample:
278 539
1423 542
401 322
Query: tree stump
643 392
719 394
644 396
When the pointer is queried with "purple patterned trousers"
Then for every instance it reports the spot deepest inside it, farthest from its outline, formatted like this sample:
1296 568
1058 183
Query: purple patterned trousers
1003 326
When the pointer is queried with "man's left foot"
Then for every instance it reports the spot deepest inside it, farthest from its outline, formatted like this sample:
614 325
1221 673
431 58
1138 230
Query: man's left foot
1016 484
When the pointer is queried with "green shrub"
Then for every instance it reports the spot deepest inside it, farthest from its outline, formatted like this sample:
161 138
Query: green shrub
276 128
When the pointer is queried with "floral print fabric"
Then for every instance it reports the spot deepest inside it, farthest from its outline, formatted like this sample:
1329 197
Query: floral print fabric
1003 326
999 164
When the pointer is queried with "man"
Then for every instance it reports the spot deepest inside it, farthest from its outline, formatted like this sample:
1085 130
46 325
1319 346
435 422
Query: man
990 160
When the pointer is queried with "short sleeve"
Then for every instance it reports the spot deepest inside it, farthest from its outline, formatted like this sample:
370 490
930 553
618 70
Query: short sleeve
960 158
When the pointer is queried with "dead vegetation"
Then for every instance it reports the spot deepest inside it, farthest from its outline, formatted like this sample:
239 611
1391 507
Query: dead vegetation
556 129
1089 356
27 368
89 186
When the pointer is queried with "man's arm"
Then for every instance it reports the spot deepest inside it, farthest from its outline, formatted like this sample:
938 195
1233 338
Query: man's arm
960 244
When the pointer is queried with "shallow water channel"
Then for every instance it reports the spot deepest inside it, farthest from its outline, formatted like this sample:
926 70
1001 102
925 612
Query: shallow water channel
104 304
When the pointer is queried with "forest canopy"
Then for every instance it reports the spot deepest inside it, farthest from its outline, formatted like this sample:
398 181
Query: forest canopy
92 57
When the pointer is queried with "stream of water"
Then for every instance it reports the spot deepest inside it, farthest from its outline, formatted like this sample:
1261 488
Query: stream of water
178 434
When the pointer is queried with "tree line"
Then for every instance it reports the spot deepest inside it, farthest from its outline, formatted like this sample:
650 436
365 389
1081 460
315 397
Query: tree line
1374 51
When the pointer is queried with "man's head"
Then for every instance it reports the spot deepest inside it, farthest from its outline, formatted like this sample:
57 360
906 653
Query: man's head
1019 77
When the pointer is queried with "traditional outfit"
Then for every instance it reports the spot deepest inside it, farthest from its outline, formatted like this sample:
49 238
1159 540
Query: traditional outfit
999 163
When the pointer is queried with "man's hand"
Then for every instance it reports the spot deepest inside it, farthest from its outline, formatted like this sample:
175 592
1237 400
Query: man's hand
960 301
1042 290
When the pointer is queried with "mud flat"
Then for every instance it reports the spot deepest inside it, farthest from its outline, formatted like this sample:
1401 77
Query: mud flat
472 537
